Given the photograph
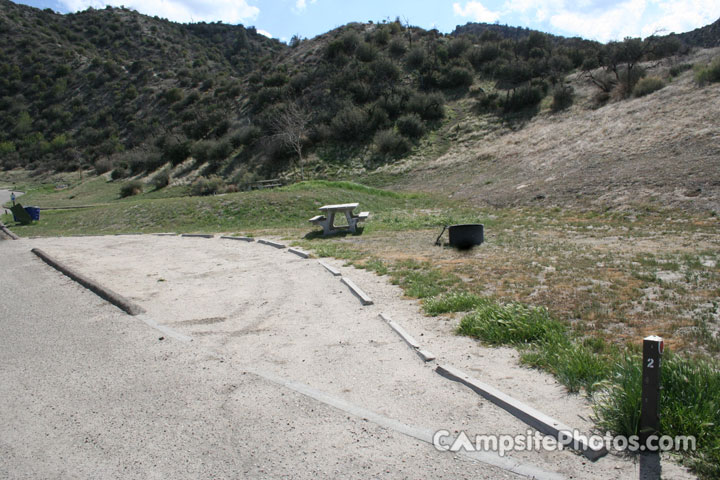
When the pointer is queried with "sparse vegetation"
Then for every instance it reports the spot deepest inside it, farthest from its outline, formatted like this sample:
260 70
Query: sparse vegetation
131 188
647 86
161 179
709 73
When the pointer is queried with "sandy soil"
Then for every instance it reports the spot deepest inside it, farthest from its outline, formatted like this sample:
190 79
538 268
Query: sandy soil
269 310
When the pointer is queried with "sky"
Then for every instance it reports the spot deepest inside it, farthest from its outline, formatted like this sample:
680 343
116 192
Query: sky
602 20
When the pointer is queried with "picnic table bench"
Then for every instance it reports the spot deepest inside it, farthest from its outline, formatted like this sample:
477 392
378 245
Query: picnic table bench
327 221
272 183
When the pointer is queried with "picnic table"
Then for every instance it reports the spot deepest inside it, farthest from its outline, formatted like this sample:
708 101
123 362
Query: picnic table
327 221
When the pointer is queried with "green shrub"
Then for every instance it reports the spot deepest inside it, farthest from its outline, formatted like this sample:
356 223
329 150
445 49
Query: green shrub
131 188
211 150
173 95
522 99
478 56
709 74
384 70
103 165
245 135
176 152
411 125
161 179
277 79
203 186
381 35
118 173
349 124
488 102
563 97
678 69
415 58
458 77
366 52
397 47
390 143
430 106
647 86
458 46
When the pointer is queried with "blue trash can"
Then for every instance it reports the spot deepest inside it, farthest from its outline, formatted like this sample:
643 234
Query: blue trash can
34 212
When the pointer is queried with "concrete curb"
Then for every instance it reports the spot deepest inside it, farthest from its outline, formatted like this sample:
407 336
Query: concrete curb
197 235
272 244
425 355
536 419
165 234
409 339
425 435
330 268
7 232
244 239
364 299
104 293
299 253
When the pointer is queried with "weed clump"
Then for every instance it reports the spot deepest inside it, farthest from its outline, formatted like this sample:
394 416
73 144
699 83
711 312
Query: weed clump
131 188
510 324
647 86
390 143
453 302
563 97
709 74
203 186
162 179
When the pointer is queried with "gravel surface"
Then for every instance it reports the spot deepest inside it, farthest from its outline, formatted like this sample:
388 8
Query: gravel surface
94 391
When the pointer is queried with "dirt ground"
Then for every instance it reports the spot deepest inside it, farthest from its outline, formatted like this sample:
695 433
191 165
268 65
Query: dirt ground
269 310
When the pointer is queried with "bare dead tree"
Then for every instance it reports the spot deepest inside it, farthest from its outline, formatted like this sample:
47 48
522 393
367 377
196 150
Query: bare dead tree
291 127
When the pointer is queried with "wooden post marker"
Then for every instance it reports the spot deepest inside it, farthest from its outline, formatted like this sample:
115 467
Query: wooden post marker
650 414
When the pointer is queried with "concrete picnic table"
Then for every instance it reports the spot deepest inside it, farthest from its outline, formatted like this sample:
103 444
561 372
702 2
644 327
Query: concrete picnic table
327 221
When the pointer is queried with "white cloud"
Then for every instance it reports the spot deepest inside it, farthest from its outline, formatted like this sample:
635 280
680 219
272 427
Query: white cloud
301 5
227 11
614 23
683 15
476 11
606 20
265 33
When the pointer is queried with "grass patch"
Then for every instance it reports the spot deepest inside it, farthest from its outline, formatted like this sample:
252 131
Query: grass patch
452 302
689 405
420 280
287 207
576 366
511 324
310 185
376 265
690 398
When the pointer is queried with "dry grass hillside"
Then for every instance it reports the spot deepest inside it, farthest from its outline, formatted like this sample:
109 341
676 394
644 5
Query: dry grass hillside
660 150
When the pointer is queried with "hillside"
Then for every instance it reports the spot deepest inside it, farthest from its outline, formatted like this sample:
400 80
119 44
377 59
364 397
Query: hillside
658 151
116 91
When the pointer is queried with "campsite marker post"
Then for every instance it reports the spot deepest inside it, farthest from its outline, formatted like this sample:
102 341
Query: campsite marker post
650 414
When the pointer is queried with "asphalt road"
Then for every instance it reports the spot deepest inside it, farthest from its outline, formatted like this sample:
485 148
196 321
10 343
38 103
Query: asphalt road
90 392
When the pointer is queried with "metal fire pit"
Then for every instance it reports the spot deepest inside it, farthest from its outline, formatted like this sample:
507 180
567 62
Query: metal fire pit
464 236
